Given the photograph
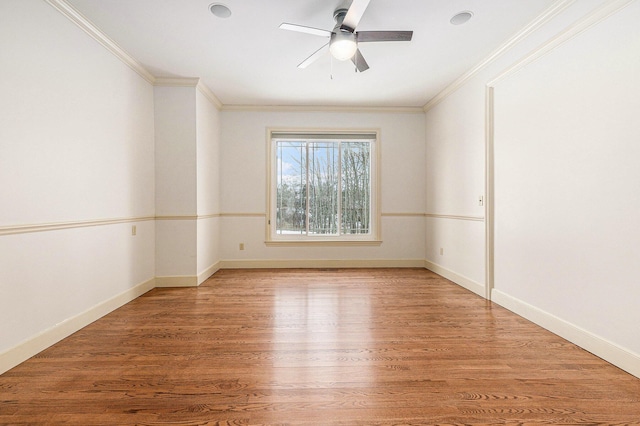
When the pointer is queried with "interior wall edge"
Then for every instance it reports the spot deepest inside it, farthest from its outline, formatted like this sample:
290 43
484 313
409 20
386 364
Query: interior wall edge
456 278
211 97
608 351
189 82
177 281
36 344
208 272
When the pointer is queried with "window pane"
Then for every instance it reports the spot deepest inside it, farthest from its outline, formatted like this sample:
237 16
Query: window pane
323 188
291 197
356 184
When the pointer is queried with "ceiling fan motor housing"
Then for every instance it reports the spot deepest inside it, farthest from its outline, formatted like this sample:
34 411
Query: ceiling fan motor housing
338 16
342 43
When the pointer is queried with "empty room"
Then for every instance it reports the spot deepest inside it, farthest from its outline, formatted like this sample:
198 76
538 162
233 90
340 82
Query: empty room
347 212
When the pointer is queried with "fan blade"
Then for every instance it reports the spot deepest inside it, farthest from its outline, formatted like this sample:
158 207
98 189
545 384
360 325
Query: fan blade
360 63
354 14
303 29
370 36
314 56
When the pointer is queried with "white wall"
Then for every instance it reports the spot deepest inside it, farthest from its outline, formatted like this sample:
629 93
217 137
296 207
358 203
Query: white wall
187 131
455 243
567 204
243 165
455 140
566 193
175 165
208 185
176 182
77 150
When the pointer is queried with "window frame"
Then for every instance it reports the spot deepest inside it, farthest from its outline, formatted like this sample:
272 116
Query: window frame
276 134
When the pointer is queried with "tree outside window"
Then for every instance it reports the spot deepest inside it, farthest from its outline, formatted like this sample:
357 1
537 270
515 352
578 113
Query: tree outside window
323 186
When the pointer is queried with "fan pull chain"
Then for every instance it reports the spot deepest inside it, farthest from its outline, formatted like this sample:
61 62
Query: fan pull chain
331 67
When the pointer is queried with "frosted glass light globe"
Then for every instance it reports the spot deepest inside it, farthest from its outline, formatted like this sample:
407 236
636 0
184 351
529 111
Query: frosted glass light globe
343 45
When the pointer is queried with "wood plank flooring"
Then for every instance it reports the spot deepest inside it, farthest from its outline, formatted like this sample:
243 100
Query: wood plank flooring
316 347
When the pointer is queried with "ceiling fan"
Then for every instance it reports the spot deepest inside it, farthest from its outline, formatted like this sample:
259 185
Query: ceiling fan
343 39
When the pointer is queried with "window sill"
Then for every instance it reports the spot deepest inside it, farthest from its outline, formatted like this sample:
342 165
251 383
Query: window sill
322 243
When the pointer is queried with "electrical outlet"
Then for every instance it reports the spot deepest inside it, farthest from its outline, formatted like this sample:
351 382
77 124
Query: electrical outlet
241 246
441 251
134 230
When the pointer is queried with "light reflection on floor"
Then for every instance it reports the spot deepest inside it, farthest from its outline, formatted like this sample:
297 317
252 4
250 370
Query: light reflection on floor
313 326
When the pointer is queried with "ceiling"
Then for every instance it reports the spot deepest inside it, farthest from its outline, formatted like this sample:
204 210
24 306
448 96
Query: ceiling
247 60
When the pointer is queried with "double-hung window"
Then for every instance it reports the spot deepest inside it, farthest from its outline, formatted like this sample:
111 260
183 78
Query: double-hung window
323 186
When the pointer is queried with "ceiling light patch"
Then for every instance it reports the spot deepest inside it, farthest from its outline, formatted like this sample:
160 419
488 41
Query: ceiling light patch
343 45
461 18
220 10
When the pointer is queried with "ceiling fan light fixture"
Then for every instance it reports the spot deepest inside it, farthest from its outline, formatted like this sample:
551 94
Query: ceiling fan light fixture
343 45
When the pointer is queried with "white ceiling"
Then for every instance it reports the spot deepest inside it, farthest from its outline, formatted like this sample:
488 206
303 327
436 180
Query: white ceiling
247 60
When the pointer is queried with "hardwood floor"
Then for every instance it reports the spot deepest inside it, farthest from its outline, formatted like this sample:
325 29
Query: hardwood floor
316 347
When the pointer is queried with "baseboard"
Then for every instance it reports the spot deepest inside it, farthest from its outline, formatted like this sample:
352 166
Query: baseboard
25 350
608 351
188 280
321 263
204 275
461 280
177 281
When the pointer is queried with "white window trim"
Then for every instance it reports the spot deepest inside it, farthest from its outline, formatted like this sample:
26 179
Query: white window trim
373 238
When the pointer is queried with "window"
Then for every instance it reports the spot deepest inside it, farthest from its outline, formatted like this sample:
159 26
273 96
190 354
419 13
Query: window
323 187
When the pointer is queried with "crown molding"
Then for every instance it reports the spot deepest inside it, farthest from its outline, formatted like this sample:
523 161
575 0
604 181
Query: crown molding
87 26
546 16
593 18
189 82
322 108
176 81
208 93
